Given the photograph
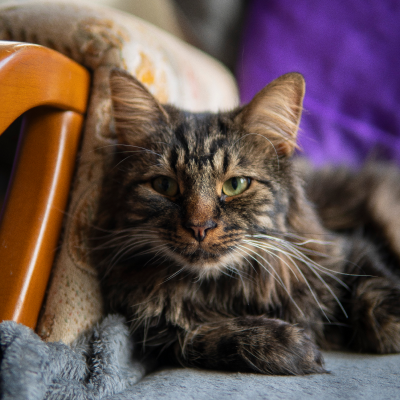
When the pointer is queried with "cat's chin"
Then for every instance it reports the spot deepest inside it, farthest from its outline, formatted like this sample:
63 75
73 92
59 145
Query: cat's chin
207 265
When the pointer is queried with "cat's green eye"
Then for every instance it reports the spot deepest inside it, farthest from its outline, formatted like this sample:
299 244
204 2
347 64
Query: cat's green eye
166 186
235 186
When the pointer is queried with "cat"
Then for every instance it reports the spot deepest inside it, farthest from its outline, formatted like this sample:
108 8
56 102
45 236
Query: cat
225 253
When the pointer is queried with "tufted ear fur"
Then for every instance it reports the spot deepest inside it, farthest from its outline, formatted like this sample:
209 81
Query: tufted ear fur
136 112
275 112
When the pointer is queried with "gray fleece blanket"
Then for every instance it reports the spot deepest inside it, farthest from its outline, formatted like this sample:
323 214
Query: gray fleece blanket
101 364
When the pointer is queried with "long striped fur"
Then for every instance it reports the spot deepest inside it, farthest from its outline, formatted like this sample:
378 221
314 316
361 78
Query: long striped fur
254 281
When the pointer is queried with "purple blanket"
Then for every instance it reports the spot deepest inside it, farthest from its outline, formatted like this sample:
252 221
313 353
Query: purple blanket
349 54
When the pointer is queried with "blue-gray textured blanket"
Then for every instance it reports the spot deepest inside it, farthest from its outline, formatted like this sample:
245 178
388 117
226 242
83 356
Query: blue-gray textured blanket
101 365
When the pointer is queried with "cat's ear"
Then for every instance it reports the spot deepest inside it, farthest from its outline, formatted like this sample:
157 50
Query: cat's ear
275 112
136 112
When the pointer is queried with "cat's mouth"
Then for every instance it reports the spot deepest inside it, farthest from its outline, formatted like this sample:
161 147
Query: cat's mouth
205 262
216 252
202 255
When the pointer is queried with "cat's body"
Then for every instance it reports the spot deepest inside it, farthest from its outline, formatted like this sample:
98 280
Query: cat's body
208 243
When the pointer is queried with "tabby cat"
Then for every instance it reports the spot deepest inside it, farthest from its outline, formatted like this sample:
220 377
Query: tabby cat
225 253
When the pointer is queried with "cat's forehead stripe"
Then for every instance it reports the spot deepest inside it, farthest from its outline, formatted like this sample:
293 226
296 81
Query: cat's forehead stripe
226 161
173 159
180 135
201 139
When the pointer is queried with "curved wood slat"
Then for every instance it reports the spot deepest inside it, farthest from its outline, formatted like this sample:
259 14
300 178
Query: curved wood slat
33 75
33 210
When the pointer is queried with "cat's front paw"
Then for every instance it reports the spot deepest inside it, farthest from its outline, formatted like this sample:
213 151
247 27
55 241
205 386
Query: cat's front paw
251 344
276 347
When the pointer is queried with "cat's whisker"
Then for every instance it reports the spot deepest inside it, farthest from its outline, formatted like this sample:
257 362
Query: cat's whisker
241 254
245 292
329 289
174 275
303 276
163 247
126 249
300 256
130 247
310 289
119 241
312 266
304 240
306 260
120 162
127 246
289 246
224 273
247 275
130 233
135 147
280 281
150 250
121 232
276 276
270 250
271 247
109 234
231 267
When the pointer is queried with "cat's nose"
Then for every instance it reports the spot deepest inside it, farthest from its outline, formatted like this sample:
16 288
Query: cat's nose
200 230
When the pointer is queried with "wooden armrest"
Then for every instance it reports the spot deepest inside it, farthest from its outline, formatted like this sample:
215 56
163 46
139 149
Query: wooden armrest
52 90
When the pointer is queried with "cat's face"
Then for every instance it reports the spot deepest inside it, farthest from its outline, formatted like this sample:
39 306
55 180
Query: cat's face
193 186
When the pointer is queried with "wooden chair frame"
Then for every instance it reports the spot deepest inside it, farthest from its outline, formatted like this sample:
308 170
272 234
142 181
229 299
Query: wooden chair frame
53 91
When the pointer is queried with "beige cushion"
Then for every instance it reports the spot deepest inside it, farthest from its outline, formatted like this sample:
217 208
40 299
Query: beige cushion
101 38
